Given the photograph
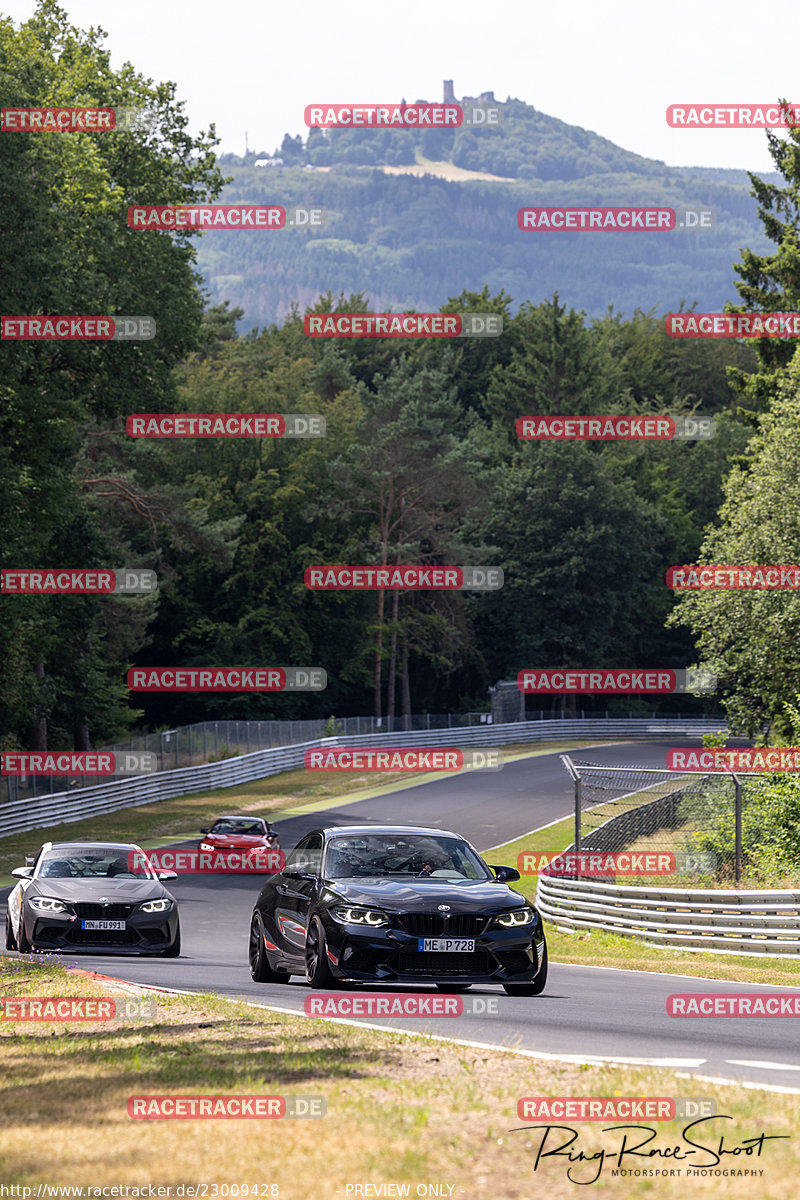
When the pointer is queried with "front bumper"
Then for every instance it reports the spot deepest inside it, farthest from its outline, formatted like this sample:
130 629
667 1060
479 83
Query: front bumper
144 933
391 955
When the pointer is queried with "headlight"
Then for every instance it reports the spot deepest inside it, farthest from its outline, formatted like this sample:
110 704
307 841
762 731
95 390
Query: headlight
206 846
156 905
359 916
48 904
516 918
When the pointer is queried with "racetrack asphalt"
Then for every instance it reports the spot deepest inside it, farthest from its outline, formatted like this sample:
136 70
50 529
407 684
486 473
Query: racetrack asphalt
586 1013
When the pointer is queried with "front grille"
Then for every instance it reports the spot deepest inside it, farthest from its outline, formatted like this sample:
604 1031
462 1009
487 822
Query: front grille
103 937
414 962
439 925
100 912
515 961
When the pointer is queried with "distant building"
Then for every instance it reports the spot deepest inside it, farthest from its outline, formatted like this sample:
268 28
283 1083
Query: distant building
450 96
269 162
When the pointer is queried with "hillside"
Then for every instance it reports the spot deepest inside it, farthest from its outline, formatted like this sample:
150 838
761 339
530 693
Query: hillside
412 219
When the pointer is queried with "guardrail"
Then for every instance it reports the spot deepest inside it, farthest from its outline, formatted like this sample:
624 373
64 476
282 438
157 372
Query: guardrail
749 922
17 816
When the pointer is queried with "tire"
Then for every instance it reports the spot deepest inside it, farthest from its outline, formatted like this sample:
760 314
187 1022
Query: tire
175 948
530 989
11 941
23 945
318 973
454 987
260 969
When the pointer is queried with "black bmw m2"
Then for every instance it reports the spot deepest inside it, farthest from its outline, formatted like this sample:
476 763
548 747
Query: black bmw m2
395 904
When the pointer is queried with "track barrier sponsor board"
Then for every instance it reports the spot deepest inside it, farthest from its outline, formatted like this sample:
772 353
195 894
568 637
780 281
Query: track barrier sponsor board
367 759
227 679
733 1004
176 1106
429 324
85 762
734 578
732 116
605 428
720 761
617 681
68 582
614 1108
225 425
403 578
256 861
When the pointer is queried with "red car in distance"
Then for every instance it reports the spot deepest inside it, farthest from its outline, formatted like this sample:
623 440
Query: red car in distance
247 835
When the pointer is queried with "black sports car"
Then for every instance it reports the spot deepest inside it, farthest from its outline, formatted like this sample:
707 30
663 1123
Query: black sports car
100 897
395 904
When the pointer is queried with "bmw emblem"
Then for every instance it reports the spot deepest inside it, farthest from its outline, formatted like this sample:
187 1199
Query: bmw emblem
444 908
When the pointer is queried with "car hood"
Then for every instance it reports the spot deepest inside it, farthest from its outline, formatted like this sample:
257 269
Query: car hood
473 895
118 891
242 841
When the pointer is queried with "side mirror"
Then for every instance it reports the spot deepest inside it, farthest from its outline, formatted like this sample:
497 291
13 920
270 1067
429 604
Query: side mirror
504 874
23 872
204 831
167 874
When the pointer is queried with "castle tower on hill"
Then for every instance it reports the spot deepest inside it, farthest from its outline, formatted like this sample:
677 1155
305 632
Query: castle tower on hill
450 96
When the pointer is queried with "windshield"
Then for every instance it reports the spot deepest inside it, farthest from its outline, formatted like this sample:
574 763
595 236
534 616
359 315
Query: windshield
244 826
93 862
423 856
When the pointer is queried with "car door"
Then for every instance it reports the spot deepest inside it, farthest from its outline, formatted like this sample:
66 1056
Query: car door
294 893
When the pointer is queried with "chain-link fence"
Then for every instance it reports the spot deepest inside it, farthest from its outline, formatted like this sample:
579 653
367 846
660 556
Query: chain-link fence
711 831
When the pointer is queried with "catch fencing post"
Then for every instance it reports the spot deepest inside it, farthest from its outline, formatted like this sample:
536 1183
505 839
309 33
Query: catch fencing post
737 852
567 761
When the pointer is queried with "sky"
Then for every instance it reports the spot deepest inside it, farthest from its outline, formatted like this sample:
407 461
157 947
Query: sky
251 67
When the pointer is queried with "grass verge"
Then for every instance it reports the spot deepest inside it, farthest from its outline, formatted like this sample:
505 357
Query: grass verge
399 1110
599 949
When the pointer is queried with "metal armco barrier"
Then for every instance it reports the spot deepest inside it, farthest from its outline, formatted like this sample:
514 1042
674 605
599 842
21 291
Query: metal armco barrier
17 816
753 922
